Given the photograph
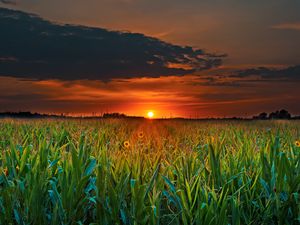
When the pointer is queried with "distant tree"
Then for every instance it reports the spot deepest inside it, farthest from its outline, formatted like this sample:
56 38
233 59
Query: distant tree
114 115
261 116
274 115
282 114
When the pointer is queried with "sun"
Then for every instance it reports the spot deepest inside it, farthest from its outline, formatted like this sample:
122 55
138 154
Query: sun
150 114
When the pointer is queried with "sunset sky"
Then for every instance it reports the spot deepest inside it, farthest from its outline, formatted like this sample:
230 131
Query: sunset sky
176 58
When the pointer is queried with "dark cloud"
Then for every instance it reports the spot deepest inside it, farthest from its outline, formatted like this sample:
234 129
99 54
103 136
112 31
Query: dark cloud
35 48
8 2
250 76
23 97
291 73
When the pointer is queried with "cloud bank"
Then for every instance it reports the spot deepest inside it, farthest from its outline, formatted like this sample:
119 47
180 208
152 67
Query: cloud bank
8 2
291 73
34 48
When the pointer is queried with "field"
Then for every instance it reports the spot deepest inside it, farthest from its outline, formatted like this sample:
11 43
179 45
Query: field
131 171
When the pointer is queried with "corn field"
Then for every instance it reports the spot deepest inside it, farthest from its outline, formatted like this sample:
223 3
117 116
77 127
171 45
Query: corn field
131 171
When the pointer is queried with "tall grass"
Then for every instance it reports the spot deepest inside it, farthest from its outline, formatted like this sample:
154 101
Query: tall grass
169 172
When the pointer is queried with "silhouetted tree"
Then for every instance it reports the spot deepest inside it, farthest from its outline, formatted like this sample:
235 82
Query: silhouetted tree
261 116
114 115
282 114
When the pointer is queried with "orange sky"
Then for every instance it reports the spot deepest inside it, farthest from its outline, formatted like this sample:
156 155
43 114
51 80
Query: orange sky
187 96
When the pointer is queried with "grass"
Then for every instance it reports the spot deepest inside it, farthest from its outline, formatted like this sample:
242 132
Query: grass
149 172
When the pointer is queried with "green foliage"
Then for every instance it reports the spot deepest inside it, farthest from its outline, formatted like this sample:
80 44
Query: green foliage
177 172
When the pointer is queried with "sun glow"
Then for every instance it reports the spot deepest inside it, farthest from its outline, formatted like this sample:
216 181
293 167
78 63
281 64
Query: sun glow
150 114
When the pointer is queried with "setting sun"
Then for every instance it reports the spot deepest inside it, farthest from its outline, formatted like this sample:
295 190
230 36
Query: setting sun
150 114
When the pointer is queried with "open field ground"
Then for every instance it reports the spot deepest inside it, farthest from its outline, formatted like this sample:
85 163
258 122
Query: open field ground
149 172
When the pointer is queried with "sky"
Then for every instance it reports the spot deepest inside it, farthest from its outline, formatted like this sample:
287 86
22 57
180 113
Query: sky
177 58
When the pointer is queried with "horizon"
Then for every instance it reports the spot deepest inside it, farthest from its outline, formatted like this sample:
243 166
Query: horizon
230 59
120 115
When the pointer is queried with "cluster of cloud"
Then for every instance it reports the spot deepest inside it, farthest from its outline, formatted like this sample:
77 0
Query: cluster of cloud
291 73
13 2
38 49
